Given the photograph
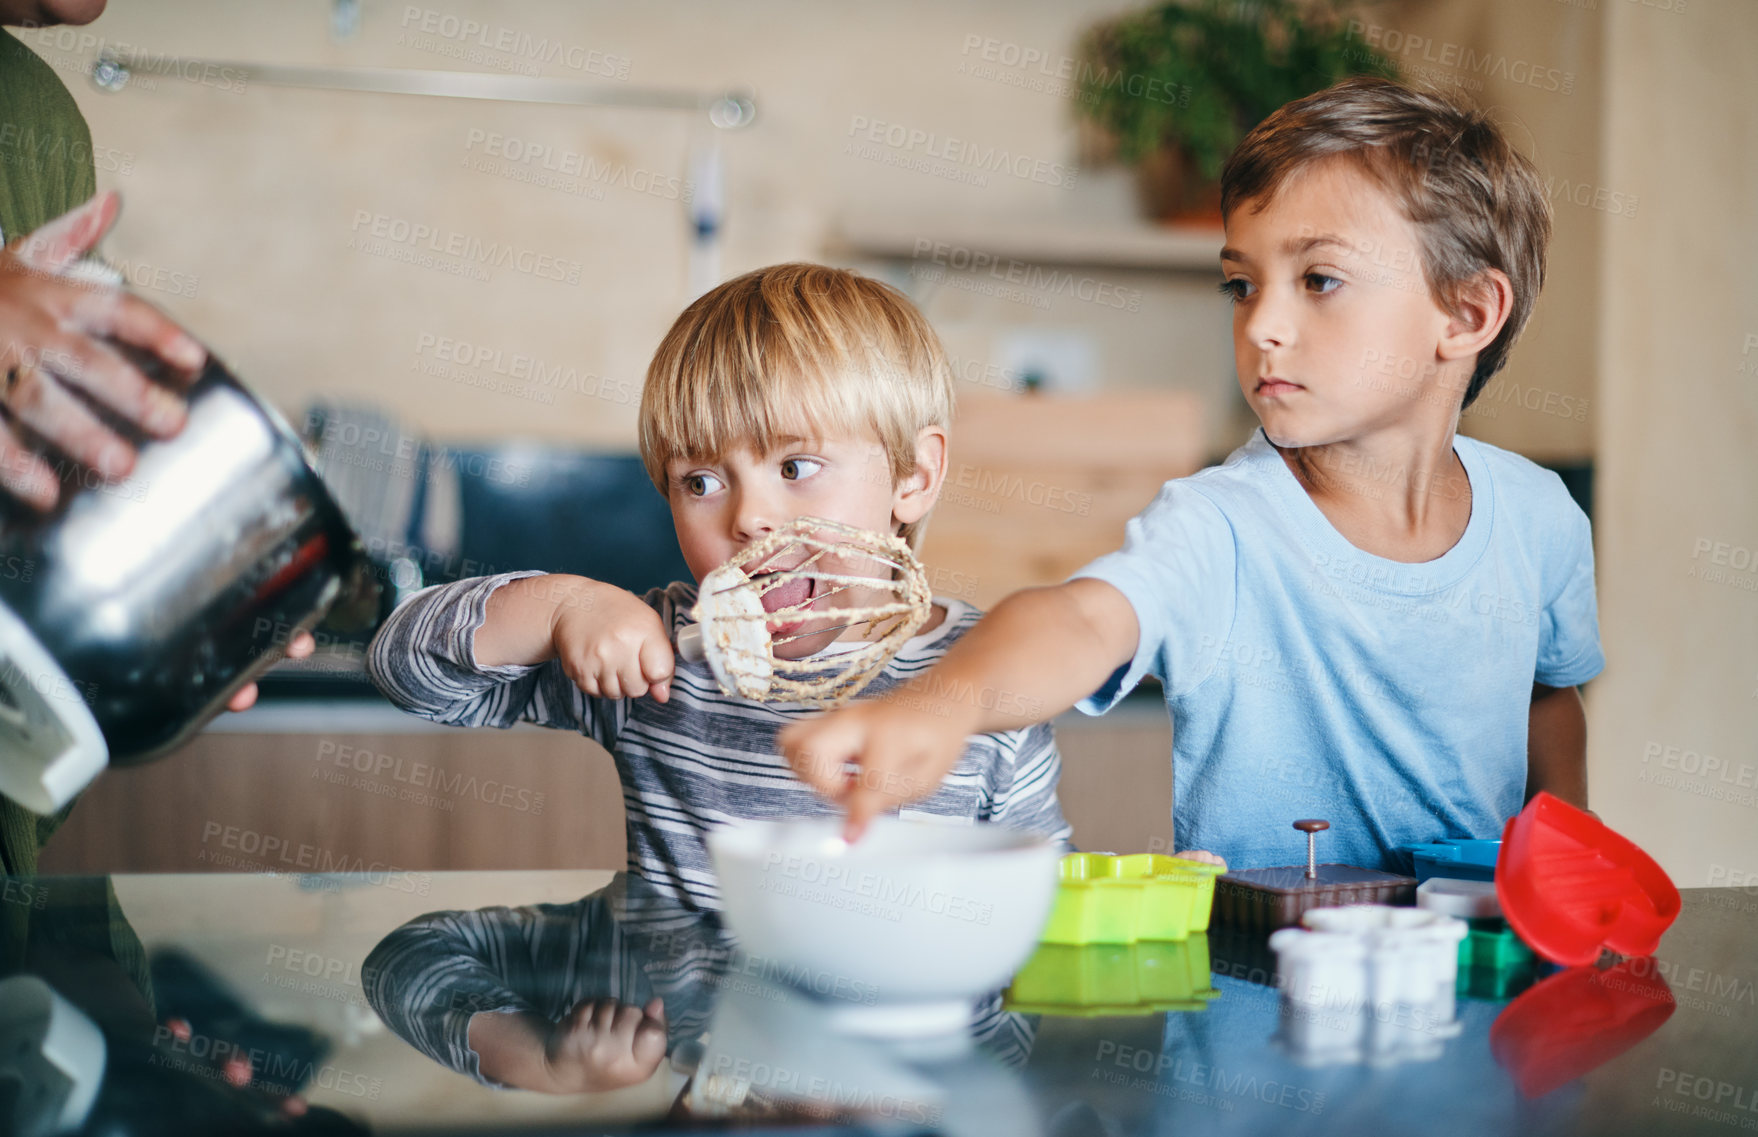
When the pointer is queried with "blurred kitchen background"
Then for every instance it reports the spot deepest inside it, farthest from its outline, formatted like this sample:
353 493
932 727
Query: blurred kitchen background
456 297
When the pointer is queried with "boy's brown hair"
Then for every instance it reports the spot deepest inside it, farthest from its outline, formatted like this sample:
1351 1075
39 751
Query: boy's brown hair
1476 202
799 349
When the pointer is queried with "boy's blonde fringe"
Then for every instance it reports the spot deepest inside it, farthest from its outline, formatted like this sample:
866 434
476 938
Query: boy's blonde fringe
794 349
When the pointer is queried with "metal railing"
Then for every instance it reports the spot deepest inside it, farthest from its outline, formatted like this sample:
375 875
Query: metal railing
727 110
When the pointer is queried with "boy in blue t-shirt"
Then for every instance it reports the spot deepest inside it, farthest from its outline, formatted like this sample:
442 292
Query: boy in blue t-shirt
1360 616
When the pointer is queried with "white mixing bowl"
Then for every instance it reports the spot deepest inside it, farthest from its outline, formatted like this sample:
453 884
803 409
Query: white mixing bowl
914 921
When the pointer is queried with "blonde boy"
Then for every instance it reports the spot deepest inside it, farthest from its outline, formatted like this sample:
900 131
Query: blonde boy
796 390
1361 615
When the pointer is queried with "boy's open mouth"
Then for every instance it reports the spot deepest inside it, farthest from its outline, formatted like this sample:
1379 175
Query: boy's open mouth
795 597
811 602
789 593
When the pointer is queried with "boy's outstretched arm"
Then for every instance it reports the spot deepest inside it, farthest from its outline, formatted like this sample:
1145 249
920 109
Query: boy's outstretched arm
1033 657
1556 745
610 643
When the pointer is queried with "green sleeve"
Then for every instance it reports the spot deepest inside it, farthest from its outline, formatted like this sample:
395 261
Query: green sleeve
45 170
45 146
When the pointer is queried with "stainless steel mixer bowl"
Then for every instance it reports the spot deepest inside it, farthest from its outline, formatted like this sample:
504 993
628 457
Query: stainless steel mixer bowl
161 595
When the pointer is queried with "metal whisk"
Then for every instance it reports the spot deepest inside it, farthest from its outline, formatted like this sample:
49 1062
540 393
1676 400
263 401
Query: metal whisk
732 630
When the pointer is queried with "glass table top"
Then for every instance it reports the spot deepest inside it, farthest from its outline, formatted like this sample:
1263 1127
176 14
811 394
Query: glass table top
415 1002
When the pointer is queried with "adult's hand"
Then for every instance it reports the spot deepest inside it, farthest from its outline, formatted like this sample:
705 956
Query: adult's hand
303 645
52 333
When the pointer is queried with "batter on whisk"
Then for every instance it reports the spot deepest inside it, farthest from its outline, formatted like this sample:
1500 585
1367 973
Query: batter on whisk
811 582
795 391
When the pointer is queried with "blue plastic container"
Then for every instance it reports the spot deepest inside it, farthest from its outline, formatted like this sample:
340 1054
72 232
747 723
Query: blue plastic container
1458 859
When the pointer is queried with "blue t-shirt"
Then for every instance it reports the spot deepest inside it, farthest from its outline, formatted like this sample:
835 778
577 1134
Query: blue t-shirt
1307 678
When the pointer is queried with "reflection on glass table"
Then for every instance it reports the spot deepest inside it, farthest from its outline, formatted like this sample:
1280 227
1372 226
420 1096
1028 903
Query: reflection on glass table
592 995
284 1004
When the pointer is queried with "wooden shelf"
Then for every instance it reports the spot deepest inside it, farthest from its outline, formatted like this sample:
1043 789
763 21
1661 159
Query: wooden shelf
1040 486
1144 247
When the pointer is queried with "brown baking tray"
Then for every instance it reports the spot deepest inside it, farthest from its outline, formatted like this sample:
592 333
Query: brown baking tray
1262 900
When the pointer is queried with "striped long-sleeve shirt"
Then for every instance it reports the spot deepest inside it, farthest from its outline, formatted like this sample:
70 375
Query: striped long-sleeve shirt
428 978
703 758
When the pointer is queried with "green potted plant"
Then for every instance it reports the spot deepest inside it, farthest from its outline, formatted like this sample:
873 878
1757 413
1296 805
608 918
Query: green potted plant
1173 88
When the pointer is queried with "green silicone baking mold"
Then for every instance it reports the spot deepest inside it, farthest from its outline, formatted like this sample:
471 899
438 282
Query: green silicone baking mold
1110 899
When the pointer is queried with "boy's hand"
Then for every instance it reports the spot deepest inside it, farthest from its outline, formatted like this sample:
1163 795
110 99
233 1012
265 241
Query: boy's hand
1023 663
899 747
610 643
605 1045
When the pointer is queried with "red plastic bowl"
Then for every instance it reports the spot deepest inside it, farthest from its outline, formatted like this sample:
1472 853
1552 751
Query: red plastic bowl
1570 886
